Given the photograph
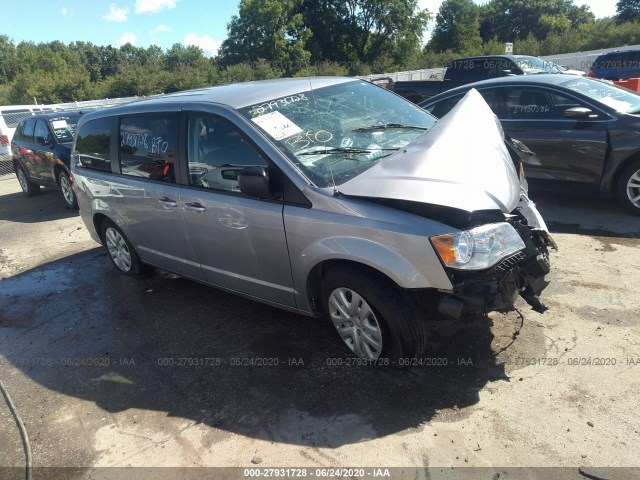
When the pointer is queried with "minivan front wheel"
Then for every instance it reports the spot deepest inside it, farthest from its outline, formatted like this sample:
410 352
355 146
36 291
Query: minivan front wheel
121 252
372 318
67 190
27 186
629 187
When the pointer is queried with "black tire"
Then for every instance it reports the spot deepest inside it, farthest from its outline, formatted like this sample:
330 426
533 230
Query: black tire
110 237
626 189
69 196
28 187
404 335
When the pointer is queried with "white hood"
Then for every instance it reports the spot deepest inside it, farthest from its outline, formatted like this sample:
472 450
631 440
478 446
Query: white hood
461 162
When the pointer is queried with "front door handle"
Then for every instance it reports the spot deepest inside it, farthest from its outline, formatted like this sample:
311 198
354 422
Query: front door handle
167 202
195 206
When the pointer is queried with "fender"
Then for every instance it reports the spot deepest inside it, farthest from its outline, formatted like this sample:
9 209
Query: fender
379 257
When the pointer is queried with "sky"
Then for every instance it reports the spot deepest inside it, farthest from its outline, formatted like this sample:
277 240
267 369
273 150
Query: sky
147 22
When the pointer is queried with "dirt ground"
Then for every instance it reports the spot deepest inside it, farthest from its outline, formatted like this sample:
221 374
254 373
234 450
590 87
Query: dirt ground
111 371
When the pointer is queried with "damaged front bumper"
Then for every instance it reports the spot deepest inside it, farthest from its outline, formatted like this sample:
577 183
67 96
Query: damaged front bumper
496 288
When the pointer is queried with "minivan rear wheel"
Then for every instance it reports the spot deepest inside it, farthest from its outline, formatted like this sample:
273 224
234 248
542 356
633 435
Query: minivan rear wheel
67 190
372 318
121 252
27 186
628 188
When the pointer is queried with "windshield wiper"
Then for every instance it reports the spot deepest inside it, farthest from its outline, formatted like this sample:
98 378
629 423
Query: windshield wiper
331 151
385 126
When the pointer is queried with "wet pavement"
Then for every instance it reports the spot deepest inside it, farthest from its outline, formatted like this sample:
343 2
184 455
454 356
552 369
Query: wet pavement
109 370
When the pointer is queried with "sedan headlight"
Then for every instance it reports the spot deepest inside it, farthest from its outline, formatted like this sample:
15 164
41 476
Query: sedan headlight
479 248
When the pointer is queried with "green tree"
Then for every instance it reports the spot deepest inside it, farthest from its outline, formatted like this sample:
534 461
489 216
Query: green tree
9 64
628 10
273 30
511 20
457 28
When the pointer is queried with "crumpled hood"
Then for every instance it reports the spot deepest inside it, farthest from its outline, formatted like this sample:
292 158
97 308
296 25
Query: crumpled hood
461 162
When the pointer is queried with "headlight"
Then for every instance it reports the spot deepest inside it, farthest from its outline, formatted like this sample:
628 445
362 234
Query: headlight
479 248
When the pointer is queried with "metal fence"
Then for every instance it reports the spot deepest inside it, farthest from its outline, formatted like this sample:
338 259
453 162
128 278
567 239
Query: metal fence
425 74
10 117
584 60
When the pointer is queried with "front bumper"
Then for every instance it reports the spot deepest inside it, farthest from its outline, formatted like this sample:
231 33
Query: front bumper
497 288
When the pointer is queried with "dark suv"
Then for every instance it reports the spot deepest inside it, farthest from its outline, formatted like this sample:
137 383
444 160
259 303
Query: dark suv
41 148
616 66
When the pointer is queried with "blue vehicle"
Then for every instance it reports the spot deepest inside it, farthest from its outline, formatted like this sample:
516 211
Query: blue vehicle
616 66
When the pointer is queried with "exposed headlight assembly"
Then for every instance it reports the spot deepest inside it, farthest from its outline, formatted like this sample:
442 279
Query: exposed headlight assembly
479 248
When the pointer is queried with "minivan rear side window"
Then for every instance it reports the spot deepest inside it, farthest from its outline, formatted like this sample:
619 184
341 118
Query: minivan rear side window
93 145
149 146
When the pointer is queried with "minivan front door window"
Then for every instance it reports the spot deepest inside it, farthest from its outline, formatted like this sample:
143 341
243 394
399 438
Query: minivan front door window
218 151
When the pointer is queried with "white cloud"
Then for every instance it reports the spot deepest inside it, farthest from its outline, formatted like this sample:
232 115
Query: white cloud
206 43
598 7
65 11
154 6
127 38
116 14
162 28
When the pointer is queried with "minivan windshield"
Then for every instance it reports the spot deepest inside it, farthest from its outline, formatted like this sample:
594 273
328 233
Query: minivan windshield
335 133
620 99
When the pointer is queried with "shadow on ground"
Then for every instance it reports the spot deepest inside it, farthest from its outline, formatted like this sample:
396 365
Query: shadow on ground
161 343
173 345
44 207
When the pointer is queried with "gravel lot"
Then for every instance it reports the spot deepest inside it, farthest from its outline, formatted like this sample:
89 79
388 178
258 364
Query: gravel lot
111 371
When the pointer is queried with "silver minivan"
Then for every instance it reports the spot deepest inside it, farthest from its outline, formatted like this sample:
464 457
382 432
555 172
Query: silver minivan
325 196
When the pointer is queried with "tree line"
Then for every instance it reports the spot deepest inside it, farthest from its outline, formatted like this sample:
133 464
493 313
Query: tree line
276 38
535 27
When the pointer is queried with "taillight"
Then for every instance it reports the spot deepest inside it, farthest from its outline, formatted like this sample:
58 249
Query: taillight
590 73
4 140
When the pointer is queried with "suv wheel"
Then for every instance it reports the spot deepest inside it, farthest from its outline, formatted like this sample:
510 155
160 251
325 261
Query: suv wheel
28 187
67 191
628 188
371 317
121 252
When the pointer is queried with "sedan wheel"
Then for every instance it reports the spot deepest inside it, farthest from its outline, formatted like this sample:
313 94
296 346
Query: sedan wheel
628 187
356 323
633 189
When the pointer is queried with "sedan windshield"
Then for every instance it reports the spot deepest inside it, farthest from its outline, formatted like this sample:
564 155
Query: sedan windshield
63 127
335 133
620 99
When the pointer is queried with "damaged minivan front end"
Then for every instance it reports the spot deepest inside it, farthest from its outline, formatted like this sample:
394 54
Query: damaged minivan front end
465 174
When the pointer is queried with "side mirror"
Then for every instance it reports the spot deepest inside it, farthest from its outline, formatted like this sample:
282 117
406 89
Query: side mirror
580 113
43 141
254 181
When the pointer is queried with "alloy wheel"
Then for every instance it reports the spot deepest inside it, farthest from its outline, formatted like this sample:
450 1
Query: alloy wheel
22 180
118 249
633 189
356 323
67 191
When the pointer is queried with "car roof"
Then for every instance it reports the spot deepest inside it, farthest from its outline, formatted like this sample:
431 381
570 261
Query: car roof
619 52
56 114
537 79
238 95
